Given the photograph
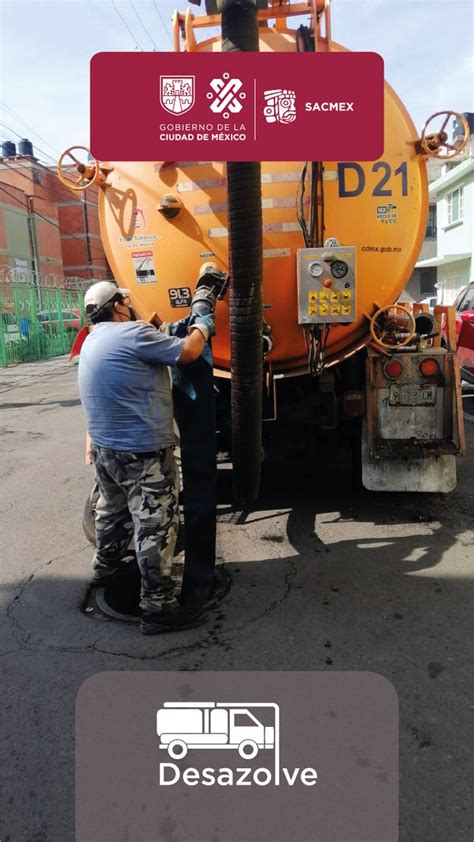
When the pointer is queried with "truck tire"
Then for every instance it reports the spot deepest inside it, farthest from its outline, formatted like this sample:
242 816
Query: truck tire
177 749
248 749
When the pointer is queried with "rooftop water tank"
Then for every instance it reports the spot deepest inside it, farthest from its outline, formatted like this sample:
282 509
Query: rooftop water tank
25 148
8 149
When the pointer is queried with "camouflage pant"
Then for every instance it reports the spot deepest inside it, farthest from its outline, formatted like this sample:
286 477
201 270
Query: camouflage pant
138 498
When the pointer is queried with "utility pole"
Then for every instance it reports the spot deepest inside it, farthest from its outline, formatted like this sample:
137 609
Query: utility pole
34 246
90 273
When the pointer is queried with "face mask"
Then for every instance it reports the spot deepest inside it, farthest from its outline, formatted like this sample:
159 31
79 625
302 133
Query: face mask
131 312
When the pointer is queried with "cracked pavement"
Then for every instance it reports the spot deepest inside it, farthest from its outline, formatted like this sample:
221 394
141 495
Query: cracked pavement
323 578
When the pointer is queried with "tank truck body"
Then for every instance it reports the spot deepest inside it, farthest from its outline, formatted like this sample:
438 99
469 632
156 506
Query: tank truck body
339 243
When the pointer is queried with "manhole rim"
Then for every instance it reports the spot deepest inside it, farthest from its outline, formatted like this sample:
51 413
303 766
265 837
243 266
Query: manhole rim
96 598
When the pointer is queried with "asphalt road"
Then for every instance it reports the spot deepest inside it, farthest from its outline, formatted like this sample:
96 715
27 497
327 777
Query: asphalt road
322 579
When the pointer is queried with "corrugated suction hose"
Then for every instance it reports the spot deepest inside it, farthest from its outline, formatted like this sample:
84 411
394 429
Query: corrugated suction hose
240 33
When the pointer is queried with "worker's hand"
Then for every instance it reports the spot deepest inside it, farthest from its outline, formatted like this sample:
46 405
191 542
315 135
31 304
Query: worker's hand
89 460
205 324
211 285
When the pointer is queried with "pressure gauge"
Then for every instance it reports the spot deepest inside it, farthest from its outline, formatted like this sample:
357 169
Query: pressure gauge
331 243
339 269
315 269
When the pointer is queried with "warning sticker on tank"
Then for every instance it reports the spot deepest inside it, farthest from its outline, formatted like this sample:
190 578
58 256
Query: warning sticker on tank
180 297
387 214
144 267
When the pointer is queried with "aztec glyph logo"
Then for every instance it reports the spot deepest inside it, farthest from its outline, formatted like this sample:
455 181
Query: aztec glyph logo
177 93
280 106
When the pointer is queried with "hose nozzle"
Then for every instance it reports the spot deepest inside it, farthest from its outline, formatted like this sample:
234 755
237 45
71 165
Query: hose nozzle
211 287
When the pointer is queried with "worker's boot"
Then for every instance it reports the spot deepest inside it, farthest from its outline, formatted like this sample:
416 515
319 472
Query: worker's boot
170 619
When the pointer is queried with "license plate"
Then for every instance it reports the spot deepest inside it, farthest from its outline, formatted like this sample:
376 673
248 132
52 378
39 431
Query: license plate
412 395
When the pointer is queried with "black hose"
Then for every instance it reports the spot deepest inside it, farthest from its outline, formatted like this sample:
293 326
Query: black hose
240 33
304 40
246 327
239 26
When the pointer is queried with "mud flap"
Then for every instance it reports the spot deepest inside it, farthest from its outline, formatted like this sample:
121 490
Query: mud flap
407 473
195 413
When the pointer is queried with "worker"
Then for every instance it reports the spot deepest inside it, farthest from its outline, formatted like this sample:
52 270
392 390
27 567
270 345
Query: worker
126 393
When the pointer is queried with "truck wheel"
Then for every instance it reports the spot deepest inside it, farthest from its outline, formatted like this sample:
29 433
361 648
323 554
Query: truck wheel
88 518
177 749
248 749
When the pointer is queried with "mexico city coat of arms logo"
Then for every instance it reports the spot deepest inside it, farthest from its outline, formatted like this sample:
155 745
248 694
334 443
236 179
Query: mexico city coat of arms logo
177 93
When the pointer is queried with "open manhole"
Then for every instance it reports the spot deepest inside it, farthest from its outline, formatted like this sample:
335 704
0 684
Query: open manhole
121 599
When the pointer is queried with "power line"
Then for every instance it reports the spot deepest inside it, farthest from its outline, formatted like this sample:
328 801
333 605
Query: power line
44 154
127 26
163 22
50 221
143 25
4 105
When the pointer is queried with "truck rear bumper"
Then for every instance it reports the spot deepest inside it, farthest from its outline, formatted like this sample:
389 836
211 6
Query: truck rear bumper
413 428
407 472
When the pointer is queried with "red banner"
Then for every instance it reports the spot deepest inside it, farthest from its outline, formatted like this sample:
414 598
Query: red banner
238 107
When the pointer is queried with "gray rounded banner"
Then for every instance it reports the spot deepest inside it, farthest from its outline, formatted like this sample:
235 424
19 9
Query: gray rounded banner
236 757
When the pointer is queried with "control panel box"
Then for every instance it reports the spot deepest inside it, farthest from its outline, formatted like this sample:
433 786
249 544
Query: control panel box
326 285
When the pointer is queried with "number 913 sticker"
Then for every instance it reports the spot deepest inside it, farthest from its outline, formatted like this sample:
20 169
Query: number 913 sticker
180 296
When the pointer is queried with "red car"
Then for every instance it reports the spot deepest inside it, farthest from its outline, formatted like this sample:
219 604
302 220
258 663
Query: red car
49 319
464 305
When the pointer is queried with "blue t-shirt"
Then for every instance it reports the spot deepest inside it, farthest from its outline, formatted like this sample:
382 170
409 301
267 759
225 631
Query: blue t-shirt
125 386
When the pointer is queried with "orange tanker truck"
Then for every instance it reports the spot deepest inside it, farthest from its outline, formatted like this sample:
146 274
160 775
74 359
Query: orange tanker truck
310 331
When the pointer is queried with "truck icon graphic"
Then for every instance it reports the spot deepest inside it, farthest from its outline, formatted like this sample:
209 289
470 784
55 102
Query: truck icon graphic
217 725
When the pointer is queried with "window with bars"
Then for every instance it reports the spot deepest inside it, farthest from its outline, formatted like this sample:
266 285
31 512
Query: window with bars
427 281
431 227
455 204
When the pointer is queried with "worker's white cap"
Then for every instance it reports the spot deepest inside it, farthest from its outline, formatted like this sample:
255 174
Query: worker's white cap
100 294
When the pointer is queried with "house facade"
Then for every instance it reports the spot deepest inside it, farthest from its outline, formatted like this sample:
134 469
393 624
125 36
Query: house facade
44 227
450 267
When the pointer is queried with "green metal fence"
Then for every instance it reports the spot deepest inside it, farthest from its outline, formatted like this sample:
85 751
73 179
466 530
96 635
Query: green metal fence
37 322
